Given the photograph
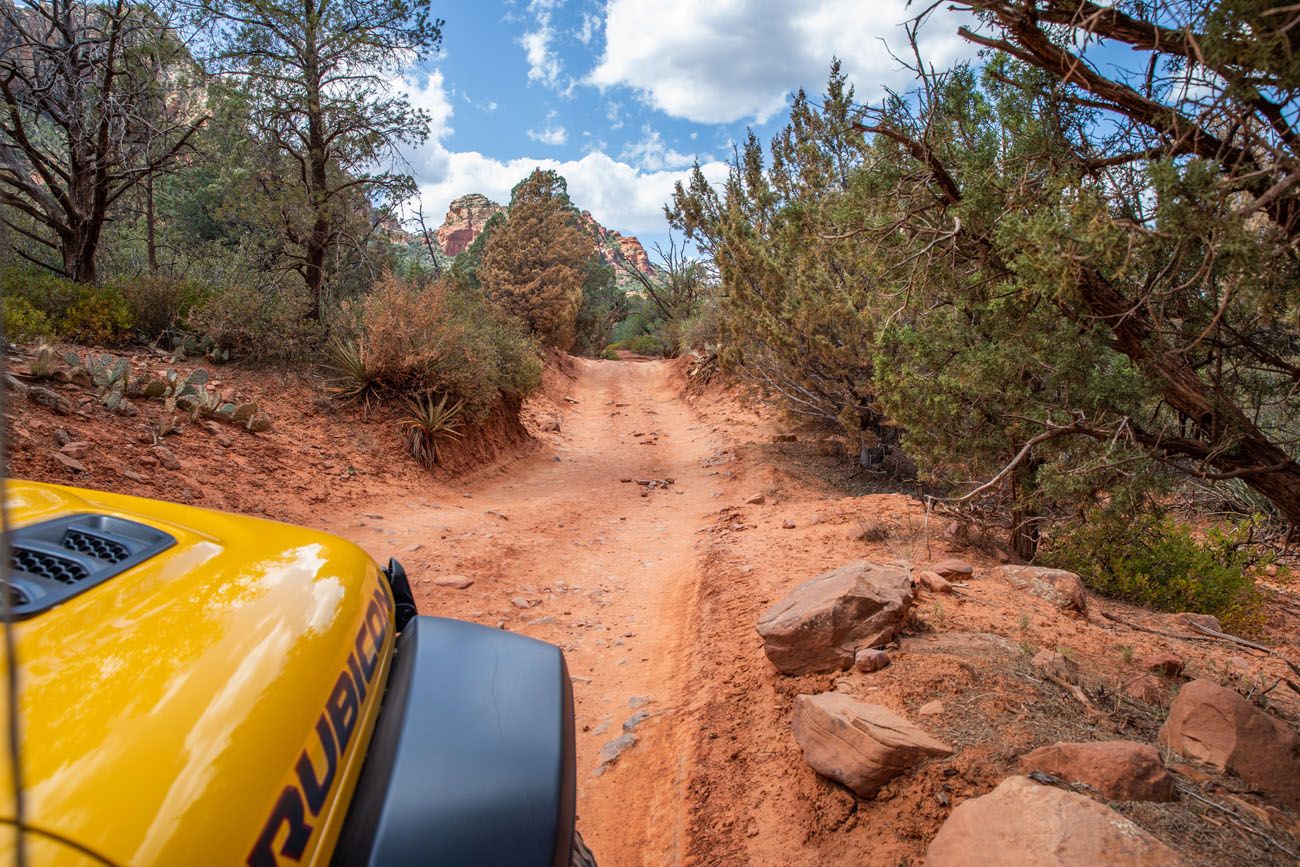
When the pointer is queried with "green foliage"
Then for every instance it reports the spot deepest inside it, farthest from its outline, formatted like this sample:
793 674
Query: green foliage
467 263
160 303
79 312
1151 560
256 318
604 303
427 424
803 296
535 266
440 338
350 378
23 321
645 344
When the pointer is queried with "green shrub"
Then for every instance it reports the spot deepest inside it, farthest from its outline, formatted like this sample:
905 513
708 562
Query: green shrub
22 321
427 423
73 311
160 303
100 315
415 340
1152 560
259 320
648 344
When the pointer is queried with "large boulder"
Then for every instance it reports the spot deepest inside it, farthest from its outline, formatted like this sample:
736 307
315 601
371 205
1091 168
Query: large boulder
1217 726
823 622
860 745
1059 587
1119 770
1023 824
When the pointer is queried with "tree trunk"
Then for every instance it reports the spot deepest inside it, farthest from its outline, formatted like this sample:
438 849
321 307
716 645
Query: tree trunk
79 248
1230 442
151 241
1026 522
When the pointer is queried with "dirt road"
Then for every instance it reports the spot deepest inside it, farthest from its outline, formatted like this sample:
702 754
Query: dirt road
560 547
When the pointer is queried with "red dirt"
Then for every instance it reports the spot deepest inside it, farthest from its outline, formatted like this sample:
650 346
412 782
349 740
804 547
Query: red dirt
654 599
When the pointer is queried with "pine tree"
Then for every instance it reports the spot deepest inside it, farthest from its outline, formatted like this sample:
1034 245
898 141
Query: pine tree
534 266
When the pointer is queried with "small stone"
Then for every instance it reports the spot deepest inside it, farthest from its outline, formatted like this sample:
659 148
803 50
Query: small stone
62 437
1164 663
869 659
165 457
77 450
521 602
635 720
785 438
1208 621
953 570
49 399
1057 666
456 582
613 750
933 581
224 441
15 386
1063 589
133 475
70 463
1146 688
756 500
787 524
931 708
544 620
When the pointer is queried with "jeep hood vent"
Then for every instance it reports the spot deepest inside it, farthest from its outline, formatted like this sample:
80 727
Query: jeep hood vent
53 561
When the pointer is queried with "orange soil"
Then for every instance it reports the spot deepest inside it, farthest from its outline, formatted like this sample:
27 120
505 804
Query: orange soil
654 600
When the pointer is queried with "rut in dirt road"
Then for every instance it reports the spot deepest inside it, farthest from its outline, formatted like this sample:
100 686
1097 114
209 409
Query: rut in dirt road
566 546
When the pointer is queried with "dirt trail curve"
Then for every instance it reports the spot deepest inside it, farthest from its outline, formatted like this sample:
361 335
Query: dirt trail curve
559 547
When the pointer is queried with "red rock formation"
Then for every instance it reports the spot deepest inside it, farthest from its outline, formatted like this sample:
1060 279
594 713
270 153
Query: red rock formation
465 218
634 253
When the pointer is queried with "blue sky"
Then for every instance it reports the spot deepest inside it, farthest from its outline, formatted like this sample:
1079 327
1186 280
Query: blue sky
622 96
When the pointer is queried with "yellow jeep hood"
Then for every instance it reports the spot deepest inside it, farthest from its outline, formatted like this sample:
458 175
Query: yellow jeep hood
211 705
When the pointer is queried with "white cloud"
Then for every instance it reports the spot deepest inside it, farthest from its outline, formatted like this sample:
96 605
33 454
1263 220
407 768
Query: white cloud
588 28
551 134
614 114
730 60
544 63
652 153
620 195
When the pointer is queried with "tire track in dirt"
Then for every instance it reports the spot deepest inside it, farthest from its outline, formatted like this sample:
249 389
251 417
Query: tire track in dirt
559 547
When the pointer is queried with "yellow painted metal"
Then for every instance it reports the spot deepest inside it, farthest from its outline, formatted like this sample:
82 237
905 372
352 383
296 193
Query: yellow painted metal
164 712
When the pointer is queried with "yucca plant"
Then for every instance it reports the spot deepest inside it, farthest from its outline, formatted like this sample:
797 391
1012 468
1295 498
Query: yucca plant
427 423
351 378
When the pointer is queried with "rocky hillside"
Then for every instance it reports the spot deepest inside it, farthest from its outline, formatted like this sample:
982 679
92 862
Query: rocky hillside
468 214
